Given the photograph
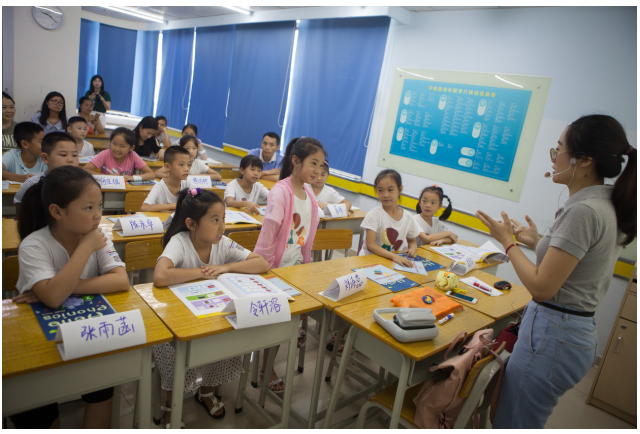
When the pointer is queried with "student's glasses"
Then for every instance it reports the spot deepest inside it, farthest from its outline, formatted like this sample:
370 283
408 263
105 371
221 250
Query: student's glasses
554 154
56 102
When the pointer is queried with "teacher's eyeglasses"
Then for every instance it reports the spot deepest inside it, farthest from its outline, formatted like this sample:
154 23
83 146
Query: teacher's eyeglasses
554 154
56 102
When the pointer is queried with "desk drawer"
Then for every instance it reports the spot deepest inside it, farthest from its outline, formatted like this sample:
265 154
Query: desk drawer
630 308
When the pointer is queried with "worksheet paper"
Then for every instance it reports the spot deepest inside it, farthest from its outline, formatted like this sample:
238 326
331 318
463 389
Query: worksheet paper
232 217
418 268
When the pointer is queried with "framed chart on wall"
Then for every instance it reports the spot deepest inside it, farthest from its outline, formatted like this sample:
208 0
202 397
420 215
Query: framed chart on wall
472 130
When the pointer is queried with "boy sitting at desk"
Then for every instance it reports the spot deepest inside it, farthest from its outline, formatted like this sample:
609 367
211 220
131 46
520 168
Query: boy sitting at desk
164 195
270 156
24 162
77 128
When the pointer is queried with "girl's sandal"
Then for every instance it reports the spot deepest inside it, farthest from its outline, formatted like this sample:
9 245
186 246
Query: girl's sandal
302 338
217 405
272 385
168 425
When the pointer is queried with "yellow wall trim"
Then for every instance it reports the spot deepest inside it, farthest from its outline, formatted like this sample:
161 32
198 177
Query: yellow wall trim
234 151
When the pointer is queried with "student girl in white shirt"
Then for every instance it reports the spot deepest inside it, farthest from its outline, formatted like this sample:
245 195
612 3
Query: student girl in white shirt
431 229
64 252
326 195
195 248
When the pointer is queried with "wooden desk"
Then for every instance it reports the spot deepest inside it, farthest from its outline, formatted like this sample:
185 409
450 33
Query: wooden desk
512 301
199 341
29 361
410 362
8 208
10 237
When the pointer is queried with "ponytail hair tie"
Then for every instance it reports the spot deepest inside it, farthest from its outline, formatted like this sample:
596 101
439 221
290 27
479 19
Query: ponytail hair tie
195 191
629 150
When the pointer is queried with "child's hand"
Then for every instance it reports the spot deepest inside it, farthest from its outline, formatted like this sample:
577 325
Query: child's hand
436 243
160 154
23 178
322 205
93 240
402 261
412 251
453 236
128 177
251 207
26 297
214 270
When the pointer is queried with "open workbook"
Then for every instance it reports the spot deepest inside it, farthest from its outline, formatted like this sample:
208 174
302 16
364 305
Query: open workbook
488 252
209 297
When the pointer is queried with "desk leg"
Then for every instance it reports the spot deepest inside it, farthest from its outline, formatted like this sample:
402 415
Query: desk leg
179 370
143 398
267 375
243 382
115 407
400 391
342 369
315 392
291 360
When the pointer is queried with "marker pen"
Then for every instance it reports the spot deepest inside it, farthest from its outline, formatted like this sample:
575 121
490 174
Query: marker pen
481 287
446 318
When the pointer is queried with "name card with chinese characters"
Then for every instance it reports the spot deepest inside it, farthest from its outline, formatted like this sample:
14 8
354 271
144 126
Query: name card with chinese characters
100 334
138 224
336 210
108 182
258 310
202 181
345 286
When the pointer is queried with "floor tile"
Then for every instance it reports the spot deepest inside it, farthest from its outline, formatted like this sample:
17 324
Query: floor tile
572 412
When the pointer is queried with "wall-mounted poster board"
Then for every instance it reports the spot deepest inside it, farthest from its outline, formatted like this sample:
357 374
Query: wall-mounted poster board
473 130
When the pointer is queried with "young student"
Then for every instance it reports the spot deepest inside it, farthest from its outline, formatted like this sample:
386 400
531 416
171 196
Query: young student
53 113
431 229
195 248
161 133
388 228
64 252
94 125
22 163
192 130
77 129
291 218
120 159
164 195
326 195
58 149
198 167
8 124
247 190
271 158
146 141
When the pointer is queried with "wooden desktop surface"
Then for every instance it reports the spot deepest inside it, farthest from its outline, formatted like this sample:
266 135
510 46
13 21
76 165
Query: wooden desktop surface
360 314
512 301
186 326
315 277
25 349
12 190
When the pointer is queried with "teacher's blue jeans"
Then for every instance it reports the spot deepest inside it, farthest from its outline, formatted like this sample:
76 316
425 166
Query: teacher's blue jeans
554 351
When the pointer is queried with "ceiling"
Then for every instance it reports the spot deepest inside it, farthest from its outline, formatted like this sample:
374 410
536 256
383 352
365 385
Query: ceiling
172 13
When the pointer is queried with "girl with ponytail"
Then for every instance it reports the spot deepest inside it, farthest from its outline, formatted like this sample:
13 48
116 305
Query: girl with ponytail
432 231
572 272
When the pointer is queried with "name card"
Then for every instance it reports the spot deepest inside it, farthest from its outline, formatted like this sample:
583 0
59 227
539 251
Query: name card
138 224
345 286
100 334
258 310
108 182
336 210
202 181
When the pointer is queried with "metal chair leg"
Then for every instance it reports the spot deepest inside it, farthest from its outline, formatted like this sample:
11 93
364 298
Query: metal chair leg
303 348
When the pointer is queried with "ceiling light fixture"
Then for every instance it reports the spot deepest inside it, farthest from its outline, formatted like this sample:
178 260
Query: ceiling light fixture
239 9
134 14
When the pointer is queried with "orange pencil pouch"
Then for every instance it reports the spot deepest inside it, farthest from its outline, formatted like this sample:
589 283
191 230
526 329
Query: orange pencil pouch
441 306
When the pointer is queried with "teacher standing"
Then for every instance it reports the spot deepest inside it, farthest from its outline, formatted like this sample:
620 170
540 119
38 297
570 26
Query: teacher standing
101 99
557 340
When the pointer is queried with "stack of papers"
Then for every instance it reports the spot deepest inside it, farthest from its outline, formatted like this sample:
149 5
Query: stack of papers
212 161
233 217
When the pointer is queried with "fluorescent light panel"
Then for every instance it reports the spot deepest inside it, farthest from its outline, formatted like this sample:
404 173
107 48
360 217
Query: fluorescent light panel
238 9
134 14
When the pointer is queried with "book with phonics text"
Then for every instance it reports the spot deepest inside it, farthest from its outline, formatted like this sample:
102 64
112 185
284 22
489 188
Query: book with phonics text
147 182
74 308
149 159
233 217
388 278
219 185
209 297
488 252
288 289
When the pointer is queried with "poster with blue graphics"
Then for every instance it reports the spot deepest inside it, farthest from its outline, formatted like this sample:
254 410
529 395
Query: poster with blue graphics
471 128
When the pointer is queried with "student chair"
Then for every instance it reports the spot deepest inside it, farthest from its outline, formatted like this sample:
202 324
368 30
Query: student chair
10 273
478 388
332 239
133 201
247 239
230 173
141 255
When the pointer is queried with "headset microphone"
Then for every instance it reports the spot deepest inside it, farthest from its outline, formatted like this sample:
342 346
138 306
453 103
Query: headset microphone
549 175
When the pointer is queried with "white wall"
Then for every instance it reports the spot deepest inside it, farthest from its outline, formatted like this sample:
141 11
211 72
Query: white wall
7 49
590 54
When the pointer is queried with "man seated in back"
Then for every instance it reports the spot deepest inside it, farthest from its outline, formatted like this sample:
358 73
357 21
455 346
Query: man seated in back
270 156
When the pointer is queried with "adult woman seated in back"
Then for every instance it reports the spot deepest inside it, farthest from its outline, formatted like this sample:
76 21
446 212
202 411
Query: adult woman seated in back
53 114
146 142
94 126
100 98
8 112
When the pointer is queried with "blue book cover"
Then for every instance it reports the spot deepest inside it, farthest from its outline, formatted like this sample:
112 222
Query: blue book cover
390 279
219 185
74 308
147 182
428 265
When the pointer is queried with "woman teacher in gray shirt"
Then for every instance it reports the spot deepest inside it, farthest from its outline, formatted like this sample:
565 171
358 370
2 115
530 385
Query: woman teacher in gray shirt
557 340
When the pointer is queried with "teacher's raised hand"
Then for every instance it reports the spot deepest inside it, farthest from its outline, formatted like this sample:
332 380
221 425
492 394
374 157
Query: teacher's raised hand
526 235
502 231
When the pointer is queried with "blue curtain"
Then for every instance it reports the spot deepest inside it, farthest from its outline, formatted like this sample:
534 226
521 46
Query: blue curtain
116 60
259 77
211 78
337 68
173 98
144 73
88 57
